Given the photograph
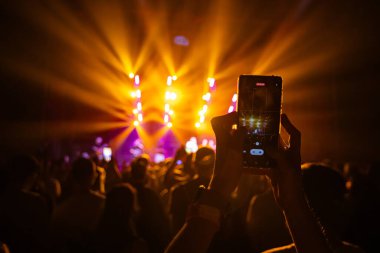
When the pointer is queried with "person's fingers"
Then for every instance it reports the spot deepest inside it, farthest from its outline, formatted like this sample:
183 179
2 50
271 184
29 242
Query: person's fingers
295 134
224 122
282 144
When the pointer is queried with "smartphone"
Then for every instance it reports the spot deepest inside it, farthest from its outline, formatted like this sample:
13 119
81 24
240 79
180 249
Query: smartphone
259 110
107 154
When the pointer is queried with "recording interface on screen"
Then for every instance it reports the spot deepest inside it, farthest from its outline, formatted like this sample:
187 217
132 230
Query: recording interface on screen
259 107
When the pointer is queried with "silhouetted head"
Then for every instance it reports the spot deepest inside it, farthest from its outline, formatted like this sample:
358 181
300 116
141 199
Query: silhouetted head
23 169
204 161
84 172
139 167
325 190
120 201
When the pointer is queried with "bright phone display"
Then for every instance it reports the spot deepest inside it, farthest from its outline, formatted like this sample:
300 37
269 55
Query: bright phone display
259 109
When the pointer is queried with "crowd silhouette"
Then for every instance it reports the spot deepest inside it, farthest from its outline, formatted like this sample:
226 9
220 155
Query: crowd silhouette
91 205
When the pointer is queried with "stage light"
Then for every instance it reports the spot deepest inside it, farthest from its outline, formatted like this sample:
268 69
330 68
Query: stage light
173 96
140 117
131 75
139 106
197 125
135 111
167 107
231 108
171 112
137 80
204 142
174 77
181 41
211 82
133 94
207 96
204 109
202 119
166 118
169 81
234 98
169 124
135 123
138 93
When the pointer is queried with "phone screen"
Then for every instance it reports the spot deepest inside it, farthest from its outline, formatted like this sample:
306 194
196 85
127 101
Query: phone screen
259 109
107 154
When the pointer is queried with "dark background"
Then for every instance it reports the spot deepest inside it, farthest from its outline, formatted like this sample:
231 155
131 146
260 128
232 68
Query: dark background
336 106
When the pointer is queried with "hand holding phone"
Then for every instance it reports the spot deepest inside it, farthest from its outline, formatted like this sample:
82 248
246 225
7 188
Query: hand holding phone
259 110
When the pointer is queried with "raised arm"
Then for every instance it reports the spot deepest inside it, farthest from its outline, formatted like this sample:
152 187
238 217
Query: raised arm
205 214
308 235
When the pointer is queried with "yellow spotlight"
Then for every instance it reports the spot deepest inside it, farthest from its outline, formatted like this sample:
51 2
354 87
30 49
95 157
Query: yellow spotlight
135 123
131 75
139 106
137 80
204 109
134 111
140 117
197 125
202 119
169 81
174 77
167 107
211 81
207 96
173 96
166 118
171 112
167 95
234 98
133 94
169 124
138 93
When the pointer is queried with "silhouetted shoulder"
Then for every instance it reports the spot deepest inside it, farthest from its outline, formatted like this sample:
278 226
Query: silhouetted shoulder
344 248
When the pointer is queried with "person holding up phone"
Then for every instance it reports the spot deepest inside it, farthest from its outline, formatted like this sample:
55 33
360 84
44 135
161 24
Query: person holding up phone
206 212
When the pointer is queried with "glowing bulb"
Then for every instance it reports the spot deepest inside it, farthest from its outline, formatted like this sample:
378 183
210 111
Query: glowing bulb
204 109
171 112
234 98
139 106
174 77
134 111
204 142
173 96
133 94
135 123
131 75
169 81
211 81
166 118
207 96
167 95
137 80
231 108
197 125
169 124
202 119
138 93
140 117
167 107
